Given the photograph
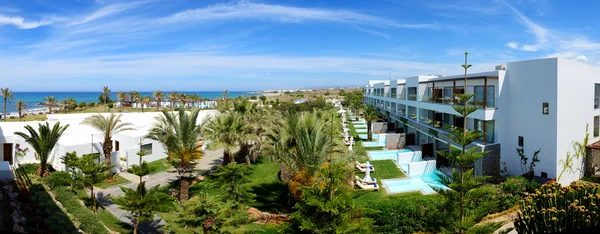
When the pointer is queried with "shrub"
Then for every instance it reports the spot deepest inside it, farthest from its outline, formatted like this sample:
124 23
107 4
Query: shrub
91 104
252 97
327 93
554 209
45 207
408 215
30 169
89 222
110 105
58 178
518 185
82 104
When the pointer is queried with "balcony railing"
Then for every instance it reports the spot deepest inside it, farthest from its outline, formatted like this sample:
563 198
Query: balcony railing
412 97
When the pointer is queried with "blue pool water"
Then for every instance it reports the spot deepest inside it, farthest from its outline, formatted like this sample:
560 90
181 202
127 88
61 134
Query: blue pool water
364 136
373 144
385 154
423 183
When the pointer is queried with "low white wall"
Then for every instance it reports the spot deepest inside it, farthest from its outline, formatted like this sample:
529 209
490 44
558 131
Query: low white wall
405 157
416 168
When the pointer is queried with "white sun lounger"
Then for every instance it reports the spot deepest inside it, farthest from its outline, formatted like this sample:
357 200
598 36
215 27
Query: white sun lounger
372 181
367 186
364 169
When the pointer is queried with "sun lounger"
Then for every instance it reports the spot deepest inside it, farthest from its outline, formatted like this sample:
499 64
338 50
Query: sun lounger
367 186
360 164
364 169
347 143
372 181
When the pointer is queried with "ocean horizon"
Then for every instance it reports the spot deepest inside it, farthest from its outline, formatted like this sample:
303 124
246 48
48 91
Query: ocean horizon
33 99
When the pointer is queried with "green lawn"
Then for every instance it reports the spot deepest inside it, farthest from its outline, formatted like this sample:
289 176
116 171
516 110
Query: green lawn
115 180
113 223
371 148
270 194
384 169
160 165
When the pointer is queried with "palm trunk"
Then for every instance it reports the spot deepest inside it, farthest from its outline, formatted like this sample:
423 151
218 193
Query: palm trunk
157 105
183 189
20 116
369 135
107 148
4 111
227 157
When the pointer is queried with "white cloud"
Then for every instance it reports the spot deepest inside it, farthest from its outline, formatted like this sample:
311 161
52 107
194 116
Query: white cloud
19 22
541 34
286 14
582 58
108 10
512 45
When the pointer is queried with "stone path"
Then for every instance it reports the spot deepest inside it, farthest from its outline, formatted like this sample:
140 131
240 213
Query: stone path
209 160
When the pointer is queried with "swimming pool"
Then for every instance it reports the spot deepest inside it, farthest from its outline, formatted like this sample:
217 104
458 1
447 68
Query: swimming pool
386 154
423 184
364 136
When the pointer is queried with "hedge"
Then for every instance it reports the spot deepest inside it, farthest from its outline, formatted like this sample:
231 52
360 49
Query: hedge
89 221
54 218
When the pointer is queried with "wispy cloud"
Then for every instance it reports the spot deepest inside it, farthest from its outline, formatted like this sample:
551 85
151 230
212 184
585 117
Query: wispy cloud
513 45
21 23
284 14
108 10
541 34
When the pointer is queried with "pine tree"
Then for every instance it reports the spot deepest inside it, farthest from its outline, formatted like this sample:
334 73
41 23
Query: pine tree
143 203
91 171
464 178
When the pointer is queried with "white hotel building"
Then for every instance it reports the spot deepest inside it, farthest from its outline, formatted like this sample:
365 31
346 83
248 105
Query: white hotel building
86 140
535 104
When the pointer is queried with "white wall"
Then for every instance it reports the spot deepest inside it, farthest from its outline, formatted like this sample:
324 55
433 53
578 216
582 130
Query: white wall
575 109
526 86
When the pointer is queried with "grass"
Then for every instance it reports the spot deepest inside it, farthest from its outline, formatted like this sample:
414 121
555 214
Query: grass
113 223
270 194
115 180
160 165
88 220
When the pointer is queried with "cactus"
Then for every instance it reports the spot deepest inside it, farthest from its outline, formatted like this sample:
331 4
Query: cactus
554 208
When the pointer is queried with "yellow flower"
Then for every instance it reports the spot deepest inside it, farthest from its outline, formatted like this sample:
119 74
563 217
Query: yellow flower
554 218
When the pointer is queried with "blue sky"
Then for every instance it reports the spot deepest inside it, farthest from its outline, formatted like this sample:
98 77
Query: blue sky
48 45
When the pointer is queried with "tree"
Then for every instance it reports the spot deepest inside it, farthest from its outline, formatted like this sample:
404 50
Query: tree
21 105
158 97
328 206
226 130
105 96
108 126
143 168
7 96
135 96
145 101
233 180
224 93
262 98
371 114
91 171
143 203
173 97
50 101
72 162
67 102
43 141
301 144
122 96
464 179
180 134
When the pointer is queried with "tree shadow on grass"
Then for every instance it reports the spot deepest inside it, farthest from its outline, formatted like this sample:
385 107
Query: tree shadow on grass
272 197
43 215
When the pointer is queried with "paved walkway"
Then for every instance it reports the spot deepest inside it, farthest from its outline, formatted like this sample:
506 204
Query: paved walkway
209 160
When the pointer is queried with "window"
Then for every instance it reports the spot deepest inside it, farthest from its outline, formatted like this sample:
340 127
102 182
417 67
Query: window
596 125
545 108
448 92
489 131
544 174
491 97
393 92
480 96
520 141
478 99
412 93
147 148
597 96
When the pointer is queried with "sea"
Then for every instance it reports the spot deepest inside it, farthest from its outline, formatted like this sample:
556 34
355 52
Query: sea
33 99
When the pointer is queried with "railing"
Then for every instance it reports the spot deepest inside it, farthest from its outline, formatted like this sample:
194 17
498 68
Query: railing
412 97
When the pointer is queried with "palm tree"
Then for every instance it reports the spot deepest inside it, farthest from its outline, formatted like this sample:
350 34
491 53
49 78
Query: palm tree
173 97
105 96
179 132
183 98
135 96
225 92
43 141
371 114
7 95
122 96
145 101
21 105
158 96
66 103
227 130
108 125
50 101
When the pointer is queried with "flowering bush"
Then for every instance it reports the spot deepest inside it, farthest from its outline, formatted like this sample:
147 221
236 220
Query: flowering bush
554 208
20 152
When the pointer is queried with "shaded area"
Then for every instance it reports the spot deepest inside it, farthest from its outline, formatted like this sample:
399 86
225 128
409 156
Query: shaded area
272 197
44 215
